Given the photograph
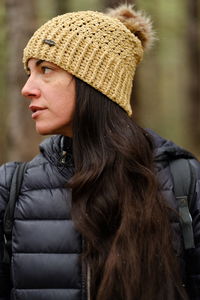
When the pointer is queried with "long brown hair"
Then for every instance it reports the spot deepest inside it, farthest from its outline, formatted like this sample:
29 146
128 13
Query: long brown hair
117 205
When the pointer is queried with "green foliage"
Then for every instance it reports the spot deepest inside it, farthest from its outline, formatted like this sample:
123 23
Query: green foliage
76 5
163 74
46 10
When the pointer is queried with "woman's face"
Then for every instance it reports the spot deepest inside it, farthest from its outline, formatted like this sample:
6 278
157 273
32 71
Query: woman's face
51 92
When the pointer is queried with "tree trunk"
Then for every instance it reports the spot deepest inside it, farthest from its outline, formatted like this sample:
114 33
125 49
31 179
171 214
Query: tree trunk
194 74
21 137
3 68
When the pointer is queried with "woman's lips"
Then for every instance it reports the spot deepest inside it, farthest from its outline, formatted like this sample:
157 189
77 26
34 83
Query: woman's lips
36 110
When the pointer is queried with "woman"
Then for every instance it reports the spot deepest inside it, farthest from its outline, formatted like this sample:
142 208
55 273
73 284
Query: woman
96 216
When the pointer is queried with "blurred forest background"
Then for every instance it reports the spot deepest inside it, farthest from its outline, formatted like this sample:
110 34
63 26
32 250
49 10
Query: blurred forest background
166 93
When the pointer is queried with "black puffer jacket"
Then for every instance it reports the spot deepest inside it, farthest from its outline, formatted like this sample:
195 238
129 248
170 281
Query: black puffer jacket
46 248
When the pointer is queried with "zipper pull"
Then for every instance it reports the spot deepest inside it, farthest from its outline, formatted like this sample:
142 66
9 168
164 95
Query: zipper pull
63 157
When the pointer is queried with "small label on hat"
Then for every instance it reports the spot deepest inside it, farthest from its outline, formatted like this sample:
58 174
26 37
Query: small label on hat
49 42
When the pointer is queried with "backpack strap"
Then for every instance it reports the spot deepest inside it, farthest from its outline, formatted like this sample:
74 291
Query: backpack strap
10 208
184 188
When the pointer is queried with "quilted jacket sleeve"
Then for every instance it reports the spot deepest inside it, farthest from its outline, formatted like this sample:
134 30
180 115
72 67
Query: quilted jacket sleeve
193 255
6 172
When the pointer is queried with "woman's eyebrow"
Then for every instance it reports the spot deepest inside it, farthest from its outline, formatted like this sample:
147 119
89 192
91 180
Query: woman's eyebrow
38 62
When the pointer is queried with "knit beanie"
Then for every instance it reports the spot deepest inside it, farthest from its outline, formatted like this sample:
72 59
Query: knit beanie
101 49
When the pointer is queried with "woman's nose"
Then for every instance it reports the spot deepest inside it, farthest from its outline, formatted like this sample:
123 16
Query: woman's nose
30 90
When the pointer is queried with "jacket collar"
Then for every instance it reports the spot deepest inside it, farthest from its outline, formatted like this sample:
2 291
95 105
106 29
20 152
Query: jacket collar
58 151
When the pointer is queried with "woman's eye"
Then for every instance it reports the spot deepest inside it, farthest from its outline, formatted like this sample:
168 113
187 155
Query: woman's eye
46 70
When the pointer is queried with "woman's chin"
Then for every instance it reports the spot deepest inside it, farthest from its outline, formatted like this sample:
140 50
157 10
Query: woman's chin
43 131
50 130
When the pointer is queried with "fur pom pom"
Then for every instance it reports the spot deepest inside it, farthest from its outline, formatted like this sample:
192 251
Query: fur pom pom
136 21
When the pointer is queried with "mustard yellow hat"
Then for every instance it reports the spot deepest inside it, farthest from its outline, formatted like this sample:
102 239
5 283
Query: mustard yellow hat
100 49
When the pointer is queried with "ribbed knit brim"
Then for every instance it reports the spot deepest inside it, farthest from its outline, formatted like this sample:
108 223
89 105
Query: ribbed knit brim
94 47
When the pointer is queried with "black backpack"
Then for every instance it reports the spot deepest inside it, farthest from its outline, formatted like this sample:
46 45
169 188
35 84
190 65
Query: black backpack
8 221
184 179
184 188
